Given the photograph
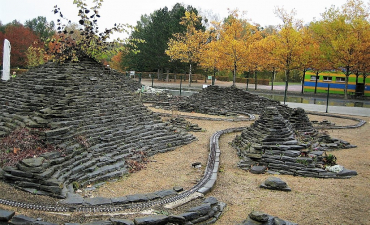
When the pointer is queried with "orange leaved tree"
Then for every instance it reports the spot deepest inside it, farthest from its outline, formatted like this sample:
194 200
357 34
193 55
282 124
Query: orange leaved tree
186 46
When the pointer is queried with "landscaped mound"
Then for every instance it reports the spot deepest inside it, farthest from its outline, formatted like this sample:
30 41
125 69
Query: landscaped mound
215 100
98 129
295 147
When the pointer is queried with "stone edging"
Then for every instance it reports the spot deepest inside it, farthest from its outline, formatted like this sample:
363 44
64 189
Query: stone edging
359 124
251 117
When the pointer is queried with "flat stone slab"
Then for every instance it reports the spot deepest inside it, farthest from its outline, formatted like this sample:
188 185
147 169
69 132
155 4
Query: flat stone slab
347 173
260 218
258 169
275 183
73 199
97 201
157 219
121 221
21 220
6 215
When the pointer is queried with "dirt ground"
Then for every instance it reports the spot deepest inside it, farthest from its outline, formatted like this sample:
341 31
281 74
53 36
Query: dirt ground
311 201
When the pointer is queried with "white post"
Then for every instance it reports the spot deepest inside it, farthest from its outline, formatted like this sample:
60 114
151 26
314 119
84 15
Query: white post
6 60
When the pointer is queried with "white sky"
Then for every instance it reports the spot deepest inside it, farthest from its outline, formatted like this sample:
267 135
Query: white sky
123 11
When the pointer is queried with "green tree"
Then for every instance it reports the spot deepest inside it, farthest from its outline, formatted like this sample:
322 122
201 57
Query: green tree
42 28
155 30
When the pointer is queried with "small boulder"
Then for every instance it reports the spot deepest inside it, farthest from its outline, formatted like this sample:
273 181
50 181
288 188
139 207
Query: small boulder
259 216
258 169
275 183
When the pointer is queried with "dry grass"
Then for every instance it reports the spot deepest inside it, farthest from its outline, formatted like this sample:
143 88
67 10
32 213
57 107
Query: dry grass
312 200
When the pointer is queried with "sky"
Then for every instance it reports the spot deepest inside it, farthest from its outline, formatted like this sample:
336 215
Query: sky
129 12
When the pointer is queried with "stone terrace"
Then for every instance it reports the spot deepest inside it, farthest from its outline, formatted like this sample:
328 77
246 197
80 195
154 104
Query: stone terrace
90 113
288 147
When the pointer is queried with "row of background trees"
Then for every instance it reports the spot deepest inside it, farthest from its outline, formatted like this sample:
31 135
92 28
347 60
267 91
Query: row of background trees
180 40
339 41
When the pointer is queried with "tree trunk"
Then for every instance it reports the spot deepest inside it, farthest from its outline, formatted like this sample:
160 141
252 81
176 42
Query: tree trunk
255 80
346 86
272 79
287 72
316 78
168 75
234 75
214 76
304 75
190 75
159 73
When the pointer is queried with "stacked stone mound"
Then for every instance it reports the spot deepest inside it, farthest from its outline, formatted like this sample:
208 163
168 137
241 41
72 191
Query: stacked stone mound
301 123
91 113
215 100
271 142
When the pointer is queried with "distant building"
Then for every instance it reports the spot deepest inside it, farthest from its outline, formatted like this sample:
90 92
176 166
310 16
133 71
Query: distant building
337 83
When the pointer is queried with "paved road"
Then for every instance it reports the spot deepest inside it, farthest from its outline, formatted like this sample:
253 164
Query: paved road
345 110
357 111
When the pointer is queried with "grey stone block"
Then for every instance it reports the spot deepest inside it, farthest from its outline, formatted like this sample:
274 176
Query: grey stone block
6 215
151 220
22 220
121 221
97 201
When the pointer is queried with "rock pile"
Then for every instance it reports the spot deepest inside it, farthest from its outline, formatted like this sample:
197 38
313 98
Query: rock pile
215 100
271 143
91 113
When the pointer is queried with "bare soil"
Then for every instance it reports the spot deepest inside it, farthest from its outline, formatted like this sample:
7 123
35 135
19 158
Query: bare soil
311 201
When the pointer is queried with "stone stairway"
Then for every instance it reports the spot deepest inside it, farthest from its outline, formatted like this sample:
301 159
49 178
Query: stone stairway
90 113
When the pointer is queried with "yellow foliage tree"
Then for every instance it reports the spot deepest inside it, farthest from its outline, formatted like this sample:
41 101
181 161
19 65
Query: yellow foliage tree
236 36
342 35
268 61
186 46
288 41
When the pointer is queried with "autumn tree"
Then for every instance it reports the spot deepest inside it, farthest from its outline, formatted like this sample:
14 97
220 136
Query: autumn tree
341 35
267 60
35 56
236 36
210 54
186 46
20 38
288 42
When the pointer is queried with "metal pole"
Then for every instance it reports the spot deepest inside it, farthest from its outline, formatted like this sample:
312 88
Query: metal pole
286 88
180 84
327 99
152 80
